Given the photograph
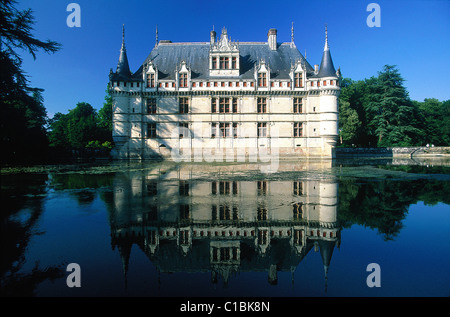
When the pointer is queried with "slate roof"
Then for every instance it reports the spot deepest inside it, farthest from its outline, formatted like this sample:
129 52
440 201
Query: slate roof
326 65
168 56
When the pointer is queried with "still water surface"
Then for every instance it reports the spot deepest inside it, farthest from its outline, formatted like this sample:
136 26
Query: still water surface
165 229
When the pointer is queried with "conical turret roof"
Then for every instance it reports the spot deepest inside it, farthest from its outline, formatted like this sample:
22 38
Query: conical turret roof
326 65
123 68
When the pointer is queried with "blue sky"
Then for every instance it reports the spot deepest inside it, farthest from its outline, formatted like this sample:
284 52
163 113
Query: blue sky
414 35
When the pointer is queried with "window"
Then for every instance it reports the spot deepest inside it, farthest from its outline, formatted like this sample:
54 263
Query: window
224 63
262 237
213 130
213 105
224 129
183 104
214 62
224 105
151 105
297 105
234 63
183 188
261 105
262 80
235 105
262 129
298 129
151 130
297 188
184 236
298 82
184 212
261 213
183 80
183 129
224 188
150 80
298 237
297 210
235 132
262 188
324 82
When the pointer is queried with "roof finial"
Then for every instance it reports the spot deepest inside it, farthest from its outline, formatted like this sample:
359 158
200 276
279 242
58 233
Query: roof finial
156 42
123 36
292 33
326 38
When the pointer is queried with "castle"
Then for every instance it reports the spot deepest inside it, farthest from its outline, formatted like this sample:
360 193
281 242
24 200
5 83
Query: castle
211 100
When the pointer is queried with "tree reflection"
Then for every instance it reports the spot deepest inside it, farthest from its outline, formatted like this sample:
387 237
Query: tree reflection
22 198
383 204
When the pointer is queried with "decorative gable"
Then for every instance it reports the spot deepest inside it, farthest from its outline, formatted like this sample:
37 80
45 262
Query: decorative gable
224 57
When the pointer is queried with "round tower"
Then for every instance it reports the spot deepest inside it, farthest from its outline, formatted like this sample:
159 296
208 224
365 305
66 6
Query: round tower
120 103
329 94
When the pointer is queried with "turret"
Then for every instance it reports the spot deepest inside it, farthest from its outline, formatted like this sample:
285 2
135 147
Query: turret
326 65
329 93
123 67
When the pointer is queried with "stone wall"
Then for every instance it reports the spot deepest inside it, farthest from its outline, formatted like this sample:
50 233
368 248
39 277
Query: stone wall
393 151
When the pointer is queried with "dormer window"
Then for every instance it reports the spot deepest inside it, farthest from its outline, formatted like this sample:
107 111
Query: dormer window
183 80
262 80
298 80
224 57
150 80
224 63
233 62
183 76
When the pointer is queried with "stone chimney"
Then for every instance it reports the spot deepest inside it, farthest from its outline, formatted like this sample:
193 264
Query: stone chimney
272 39
316 68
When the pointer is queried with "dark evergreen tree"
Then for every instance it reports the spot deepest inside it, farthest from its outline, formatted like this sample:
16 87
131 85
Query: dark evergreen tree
23 116
393 119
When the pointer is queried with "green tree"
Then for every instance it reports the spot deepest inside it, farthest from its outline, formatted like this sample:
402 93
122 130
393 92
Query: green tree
23 115
104 117
58 131
349 124
435 118
392 117
81 126
352 117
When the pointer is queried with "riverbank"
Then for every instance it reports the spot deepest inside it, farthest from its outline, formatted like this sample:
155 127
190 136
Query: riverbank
434 151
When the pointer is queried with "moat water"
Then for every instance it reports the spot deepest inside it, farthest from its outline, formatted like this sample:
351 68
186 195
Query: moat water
310 228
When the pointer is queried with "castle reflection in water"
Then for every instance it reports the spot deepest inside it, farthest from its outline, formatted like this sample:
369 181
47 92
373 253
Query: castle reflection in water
204 218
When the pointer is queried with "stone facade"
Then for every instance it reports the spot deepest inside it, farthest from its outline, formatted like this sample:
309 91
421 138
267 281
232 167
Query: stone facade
224 100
